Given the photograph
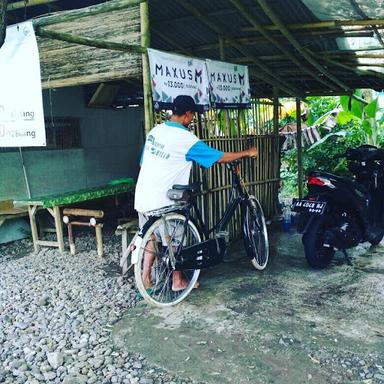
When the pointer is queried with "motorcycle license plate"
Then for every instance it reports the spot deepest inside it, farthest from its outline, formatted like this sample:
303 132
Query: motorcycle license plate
309 206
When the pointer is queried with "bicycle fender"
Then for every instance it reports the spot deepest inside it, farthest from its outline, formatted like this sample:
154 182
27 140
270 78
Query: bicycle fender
135 253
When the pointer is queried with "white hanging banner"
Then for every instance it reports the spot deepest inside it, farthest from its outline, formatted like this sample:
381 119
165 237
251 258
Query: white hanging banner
228 85
173 75
21 103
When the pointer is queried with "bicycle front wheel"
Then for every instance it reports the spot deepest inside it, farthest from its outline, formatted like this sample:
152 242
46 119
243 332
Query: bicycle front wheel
255 233
157 281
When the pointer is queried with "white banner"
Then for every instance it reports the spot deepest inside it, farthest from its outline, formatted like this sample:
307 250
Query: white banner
21 104
173 75
229 85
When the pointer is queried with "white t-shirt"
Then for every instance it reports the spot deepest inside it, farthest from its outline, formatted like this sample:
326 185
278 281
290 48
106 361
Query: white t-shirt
167 160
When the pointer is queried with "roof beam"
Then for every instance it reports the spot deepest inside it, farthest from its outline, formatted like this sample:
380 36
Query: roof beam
253 21
379 75
304 52
83 12
75 39
322 24
254 40
27 3
329 54
270 77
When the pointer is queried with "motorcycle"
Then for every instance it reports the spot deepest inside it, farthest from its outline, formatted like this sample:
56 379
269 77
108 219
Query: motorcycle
338 212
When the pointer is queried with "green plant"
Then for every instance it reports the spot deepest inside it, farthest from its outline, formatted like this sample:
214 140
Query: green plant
327 153
366 112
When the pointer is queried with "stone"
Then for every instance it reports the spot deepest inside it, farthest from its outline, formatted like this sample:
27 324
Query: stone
55 359
49 375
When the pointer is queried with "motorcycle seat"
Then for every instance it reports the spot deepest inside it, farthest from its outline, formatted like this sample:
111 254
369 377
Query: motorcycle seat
341 179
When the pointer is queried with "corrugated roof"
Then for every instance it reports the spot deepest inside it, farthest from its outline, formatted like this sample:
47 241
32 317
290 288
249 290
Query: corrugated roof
322 59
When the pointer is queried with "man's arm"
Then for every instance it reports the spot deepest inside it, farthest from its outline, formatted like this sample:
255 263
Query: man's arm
228 157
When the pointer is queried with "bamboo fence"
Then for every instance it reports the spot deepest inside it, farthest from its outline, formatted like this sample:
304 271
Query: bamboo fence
231 131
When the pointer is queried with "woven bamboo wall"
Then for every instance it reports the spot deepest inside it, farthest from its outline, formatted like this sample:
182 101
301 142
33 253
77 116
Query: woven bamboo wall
66 64
230 131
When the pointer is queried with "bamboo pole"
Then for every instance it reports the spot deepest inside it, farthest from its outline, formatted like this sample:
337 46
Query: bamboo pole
43 32
322 24
3 21
275 111
309 57
253 21
353 69
299 149
145 42
113 5
338 54
361 32
358 56
27 3
275 167
267 73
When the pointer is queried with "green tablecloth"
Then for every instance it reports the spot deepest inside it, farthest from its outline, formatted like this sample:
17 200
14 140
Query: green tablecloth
81 195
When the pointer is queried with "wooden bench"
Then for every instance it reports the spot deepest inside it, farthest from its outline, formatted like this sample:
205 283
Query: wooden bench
91 216
54 203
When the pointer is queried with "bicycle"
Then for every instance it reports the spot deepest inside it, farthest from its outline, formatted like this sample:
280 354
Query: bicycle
176 240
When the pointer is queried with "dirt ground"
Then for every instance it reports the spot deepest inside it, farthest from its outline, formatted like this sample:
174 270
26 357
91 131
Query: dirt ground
287 324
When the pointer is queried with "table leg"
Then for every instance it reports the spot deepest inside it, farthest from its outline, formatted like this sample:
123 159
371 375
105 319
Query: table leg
59 228
71 239
32 220
99 239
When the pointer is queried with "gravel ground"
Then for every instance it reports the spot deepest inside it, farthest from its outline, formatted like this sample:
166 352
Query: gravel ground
56 314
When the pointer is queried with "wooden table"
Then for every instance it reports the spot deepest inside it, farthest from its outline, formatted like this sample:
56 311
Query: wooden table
53 204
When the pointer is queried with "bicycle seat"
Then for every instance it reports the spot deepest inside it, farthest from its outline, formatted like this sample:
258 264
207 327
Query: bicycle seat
193 188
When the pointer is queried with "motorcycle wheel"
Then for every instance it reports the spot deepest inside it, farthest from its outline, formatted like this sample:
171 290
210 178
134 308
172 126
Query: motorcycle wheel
318 257
377 239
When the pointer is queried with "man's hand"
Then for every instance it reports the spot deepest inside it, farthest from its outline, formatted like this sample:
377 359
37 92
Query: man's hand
252 152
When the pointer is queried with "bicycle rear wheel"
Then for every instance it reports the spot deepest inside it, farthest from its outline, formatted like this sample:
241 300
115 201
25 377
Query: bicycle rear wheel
154 272
255 233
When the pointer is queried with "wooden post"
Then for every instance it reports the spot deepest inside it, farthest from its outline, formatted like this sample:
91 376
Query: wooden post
145 42
277 159
71 239
276 111
299 149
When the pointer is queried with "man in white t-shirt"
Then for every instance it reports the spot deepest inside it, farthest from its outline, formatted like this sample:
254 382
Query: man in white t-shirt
169 151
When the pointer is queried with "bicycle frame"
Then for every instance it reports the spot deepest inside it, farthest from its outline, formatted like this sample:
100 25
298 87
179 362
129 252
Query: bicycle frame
238 194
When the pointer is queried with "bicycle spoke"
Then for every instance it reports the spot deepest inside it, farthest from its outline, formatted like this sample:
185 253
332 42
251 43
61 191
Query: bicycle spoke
257 240
164 240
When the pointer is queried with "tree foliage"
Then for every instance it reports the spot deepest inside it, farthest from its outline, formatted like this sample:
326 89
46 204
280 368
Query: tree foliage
360 122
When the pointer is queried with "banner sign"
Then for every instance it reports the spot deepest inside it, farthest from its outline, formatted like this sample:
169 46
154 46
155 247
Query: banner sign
173 75
228 85
21 103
